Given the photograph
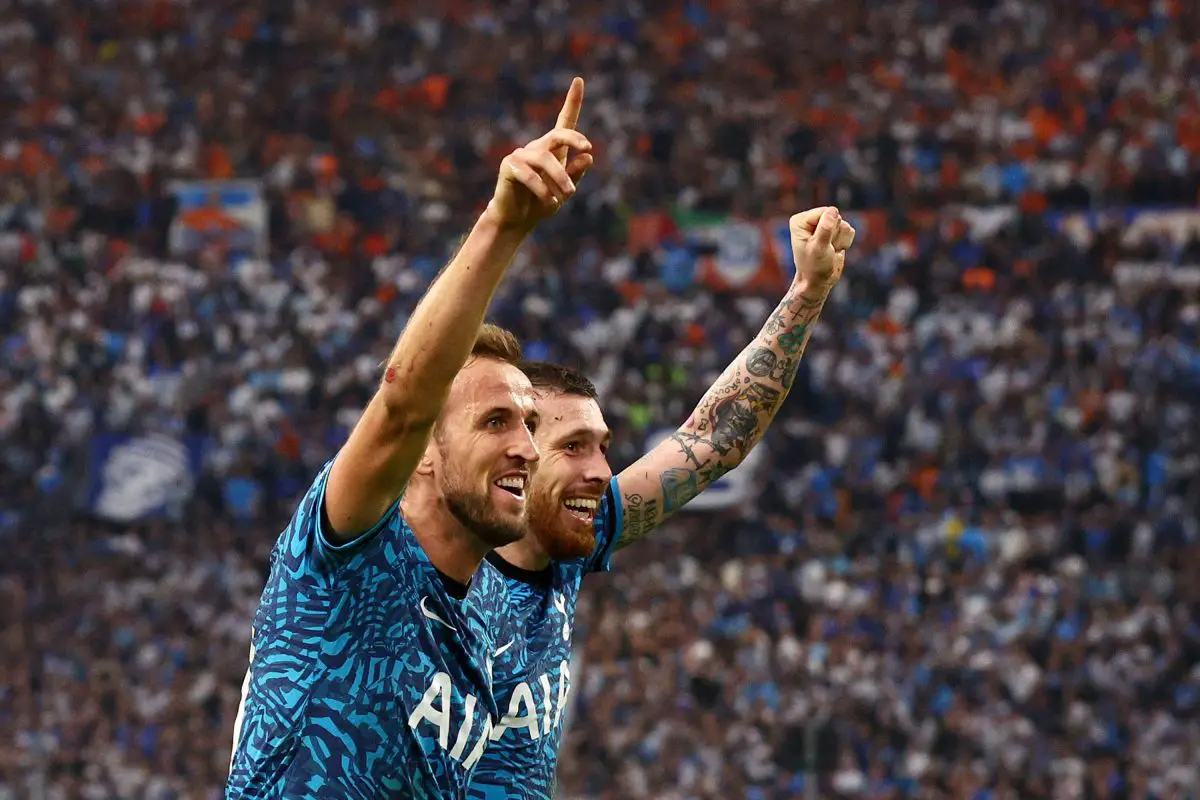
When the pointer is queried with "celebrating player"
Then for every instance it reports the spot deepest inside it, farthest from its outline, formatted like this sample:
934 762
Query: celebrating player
370 660
579 513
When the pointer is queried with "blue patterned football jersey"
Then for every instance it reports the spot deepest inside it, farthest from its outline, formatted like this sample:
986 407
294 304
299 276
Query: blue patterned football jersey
370 671
533 677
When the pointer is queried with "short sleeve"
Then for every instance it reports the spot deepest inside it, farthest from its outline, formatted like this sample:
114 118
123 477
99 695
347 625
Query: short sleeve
307 536
608 529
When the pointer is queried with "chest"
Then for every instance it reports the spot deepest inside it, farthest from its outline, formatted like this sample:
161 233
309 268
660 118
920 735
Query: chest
434 661
533 678
409 631
546 622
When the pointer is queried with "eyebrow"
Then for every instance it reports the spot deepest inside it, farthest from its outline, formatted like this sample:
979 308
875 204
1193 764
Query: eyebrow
587 433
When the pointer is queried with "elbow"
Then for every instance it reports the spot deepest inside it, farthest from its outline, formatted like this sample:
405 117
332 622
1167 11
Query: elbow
724 444
406 412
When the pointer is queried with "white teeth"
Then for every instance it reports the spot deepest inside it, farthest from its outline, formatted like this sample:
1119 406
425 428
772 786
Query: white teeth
581 504
514 482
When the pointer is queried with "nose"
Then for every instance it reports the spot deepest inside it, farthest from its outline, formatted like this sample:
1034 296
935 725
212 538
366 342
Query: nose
597 469
523 447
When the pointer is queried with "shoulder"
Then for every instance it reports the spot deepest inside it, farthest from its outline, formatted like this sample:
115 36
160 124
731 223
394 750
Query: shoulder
608 527
306 521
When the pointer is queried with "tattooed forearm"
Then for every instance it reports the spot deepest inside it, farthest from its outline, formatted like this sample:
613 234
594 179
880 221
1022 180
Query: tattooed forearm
783 370
793 340
788 368
795 306
733 425
729 421
679 487
761 362
641 517
737 410
712 473
687 443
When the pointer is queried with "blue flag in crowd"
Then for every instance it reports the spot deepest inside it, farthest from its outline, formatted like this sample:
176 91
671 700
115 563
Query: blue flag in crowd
137 477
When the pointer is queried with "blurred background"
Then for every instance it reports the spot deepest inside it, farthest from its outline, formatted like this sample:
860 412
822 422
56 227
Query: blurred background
963 564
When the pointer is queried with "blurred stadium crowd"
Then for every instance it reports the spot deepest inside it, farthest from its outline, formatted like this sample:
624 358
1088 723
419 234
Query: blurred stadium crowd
963 564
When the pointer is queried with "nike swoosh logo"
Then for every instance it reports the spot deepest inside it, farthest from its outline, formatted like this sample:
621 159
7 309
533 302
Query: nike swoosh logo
502 649
431 615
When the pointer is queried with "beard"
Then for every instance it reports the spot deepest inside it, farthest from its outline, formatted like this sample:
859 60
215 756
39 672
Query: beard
474 510
561 537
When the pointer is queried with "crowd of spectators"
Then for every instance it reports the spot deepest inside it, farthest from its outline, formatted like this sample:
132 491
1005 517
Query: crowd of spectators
969 570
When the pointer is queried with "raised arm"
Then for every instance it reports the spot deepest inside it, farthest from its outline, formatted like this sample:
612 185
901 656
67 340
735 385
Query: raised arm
735 412
374 465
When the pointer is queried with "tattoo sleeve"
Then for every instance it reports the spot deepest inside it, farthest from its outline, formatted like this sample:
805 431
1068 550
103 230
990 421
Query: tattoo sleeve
729 421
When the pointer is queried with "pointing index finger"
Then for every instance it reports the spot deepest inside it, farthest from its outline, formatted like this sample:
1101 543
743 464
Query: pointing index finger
568 117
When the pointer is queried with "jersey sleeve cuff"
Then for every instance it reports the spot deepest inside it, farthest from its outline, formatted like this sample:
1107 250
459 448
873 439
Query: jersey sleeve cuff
328 544
610 534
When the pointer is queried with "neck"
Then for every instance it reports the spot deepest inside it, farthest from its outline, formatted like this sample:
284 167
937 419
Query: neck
526 554
449 545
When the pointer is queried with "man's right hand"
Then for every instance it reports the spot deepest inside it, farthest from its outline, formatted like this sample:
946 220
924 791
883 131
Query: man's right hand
820 239
536 179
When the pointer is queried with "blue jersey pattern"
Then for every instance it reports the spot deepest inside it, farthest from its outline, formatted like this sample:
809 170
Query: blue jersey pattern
369 677
533 678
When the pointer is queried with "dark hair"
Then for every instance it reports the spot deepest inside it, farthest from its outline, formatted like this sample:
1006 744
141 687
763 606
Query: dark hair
554 378
496 343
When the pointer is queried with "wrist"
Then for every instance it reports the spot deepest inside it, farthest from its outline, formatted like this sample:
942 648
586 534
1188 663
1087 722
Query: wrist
494 220
812 290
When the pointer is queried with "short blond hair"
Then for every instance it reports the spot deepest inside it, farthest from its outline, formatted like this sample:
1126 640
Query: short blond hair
492 342
497 344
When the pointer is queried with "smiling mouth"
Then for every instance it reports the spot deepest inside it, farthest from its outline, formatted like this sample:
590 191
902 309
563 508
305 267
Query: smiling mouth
513 484
582 508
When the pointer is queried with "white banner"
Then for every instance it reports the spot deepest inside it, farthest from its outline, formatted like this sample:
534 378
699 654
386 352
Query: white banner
146 476
1154 273
740 252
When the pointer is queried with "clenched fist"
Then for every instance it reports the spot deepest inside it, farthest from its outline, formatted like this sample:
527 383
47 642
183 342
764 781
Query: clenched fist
820 239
